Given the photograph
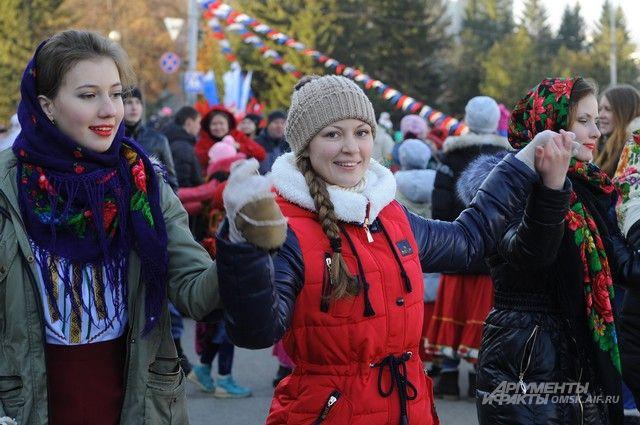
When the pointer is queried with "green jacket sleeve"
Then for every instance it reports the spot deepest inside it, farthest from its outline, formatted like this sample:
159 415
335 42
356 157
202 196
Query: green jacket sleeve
192 276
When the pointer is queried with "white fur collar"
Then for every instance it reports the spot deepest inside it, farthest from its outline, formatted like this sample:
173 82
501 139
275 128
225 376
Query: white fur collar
350 207
471 139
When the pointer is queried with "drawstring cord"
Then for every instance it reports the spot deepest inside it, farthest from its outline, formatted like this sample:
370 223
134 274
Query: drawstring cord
368 308
403 272
398 370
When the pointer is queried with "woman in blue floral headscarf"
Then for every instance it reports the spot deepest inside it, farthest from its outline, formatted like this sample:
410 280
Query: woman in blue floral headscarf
93 244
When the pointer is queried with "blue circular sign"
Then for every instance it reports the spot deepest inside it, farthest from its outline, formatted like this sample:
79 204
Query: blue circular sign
169 62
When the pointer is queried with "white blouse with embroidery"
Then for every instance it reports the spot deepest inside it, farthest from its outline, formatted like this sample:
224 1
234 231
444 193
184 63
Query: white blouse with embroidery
102 318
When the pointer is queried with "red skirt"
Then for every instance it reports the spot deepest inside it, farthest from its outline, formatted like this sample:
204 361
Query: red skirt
86 383
462 304
428 313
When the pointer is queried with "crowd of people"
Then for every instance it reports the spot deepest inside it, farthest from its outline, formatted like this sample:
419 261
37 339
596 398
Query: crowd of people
373 260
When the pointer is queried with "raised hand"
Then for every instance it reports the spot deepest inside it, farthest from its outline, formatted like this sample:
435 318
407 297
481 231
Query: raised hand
552 159
252 211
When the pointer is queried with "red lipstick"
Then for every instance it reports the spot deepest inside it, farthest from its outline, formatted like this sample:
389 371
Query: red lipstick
102 130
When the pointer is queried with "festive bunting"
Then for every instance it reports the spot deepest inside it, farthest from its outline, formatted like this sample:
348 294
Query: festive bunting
239 22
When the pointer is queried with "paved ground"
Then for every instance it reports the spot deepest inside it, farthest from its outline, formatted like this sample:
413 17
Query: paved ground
255 369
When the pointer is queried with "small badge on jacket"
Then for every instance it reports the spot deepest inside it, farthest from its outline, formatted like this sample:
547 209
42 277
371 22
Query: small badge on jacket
405 247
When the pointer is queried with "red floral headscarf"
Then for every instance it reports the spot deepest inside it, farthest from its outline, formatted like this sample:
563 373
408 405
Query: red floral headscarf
546 107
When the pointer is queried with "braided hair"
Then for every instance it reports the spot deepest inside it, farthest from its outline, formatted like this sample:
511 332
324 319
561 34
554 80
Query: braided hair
345 284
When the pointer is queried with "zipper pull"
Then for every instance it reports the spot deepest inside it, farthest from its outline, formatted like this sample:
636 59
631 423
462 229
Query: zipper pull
523 387
366 229
327 285
333 398
366 223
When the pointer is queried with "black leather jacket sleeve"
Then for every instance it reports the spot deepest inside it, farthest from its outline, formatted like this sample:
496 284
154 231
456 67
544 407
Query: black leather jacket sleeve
625 264
456 246
533 237
258 289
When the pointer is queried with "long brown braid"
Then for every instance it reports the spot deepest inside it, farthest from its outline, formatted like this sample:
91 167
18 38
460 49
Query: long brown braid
344 282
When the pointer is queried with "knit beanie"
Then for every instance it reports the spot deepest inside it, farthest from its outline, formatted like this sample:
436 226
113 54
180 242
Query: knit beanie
317 102
414 154
222 154
415 125
482 115
133 92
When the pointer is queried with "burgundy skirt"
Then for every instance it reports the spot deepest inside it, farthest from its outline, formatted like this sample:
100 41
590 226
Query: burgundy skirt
86 383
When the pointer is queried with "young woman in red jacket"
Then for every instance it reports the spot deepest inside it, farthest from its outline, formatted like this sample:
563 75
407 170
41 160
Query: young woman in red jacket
344 289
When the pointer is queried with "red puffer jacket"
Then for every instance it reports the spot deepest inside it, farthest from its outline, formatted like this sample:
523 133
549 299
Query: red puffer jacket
356 358
356 365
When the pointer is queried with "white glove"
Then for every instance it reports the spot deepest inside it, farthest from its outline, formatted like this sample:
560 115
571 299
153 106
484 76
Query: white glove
528 153
253 214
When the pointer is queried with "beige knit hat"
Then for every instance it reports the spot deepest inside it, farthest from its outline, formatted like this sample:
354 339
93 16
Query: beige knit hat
319 101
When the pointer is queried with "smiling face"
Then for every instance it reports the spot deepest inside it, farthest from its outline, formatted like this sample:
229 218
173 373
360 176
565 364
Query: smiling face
88 106
585 126
607 120
219 126
340 152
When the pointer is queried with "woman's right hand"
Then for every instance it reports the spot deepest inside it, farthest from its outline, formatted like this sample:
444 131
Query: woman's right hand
552 158
254 215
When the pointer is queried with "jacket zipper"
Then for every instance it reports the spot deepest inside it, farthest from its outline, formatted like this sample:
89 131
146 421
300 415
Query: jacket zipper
528 353
367 223
131 316
580 401
327 284
579 380
328 405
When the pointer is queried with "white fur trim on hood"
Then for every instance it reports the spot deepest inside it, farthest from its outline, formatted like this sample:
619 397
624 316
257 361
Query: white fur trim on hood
350 207
471 139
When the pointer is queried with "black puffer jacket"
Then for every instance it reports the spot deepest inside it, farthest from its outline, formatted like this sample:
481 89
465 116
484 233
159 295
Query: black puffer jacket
156 144
629 326
537 331
259 291
187 166
457 153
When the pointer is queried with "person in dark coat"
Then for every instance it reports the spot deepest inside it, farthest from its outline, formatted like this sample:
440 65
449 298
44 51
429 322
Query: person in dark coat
153 142
627 180
553 321
464 299
182 139
272 139
345 288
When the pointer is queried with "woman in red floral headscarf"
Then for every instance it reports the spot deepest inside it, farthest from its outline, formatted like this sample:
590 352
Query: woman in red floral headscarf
553 321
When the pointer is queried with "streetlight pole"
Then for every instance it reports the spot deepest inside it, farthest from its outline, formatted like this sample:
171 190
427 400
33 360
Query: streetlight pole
193 43
613 56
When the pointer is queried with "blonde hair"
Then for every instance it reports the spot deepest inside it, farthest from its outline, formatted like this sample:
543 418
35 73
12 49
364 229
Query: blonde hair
625 105
344 283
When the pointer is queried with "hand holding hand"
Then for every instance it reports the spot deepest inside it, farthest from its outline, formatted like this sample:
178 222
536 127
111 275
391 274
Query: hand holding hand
528 153
253 214
552 159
